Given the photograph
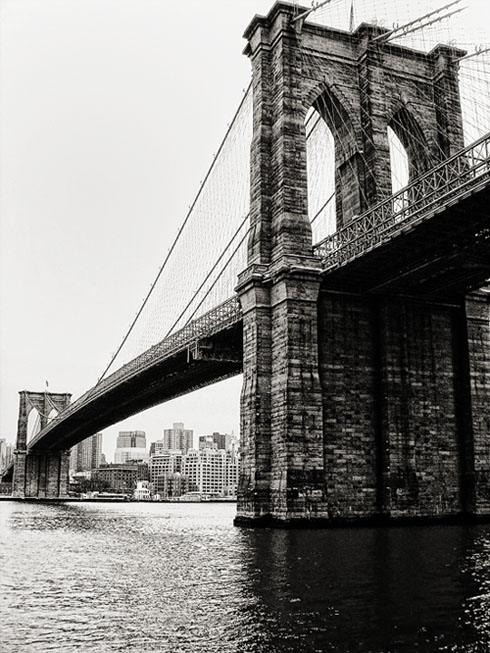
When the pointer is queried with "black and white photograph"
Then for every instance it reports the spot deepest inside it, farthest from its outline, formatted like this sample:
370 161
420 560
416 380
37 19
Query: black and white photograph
245 326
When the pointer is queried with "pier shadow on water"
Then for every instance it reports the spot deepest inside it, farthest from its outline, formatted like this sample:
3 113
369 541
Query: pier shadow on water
387 589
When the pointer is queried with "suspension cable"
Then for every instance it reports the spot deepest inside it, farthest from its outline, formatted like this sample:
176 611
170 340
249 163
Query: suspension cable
179 233
210 272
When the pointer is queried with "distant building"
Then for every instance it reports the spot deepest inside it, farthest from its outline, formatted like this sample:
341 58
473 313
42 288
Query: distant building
131 439
178 438
208 471
223 441
157 448
131 445
163 470
142 491
126 455
171 485
86 455
121 478
207 442
211 471
215 441
6 453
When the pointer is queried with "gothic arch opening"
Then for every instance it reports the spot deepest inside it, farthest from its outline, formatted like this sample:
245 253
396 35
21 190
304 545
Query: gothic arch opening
33 424
320 166
413 142
398 162
334 163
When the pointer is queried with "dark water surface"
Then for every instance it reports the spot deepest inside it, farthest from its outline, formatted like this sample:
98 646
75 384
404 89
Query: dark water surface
172 578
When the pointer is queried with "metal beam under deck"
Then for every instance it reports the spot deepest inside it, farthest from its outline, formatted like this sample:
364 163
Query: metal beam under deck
176 375
442 257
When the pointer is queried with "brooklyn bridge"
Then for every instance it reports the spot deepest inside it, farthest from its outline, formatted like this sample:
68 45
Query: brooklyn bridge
343 232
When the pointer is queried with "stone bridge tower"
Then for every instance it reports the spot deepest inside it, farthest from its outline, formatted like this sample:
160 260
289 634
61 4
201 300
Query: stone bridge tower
323 437
39 474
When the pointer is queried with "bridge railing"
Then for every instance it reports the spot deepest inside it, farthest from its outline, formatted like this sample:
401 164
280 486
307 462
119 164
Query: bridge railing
221 317
405 208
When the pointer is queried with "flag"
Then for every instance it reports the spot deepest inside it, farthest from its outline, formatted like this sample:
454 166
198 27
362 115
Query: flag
47 384
351 19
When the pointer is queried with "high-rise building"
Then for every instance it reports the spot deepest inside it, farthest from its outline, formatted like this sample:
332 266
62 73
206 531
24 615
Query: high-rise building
129 454
176 438
86 455
131 439
6 453
3 450
131 445
215 441
157 448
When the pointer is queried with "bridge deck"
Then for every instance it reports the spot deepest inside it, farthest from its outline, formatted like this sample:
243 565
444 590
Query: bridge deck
431 238
441 257
163 372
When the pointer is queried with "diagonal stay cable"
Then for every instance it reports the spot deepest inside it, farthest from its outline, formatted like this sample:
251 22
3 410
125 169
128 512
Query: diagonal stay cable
324 205
229 260
213 268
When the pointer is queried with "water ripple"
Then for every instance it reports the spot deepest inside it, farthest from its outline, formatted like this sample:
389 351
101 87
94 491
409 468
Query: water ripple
179 578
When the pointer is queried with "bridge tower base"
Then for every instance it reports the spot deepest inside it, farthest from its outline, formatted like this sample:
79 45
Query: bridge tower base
39 474
355 407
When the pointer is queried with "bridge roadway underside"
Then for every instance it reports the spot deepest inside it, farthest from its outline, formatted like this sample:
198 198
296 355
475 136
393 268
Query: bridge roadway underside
444 256
165 380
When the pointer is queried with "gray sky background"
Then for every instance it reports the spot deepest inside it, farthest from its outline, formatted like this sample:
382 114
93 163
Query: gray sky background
111 111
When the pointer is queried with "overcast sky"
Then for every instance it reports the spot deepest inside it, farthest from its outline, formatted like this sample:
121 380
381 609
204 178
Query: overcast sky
111 111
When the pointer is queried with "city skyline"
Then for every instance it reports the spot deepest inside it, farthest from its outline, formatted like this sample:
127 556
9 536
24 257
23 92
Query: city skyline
150 439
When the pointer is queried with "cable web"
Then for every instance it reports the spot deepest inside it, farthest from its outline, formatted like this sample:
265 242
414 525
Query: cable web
459 25
201 267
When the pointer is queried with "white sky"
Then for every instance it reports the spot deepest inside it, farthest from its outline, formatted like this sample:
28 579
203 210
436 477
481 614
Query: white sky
111 111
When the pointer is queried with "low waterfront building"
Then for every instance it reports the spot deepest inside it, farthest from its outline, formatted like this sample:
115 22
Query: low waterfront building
121 478
212 471
171 485
142 491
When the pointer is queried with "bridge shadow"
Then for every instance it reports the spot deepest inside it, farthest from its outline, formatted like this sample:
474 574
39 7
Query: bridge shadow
387 589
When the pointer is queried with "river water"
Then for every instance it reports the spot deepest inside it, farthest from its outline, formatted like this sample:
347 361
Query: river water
180 578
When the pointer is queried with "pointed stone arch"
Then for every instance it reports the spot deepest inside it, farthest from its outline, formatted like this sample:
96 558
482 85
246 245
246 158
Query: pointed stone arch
335 109
320 173
44 403
33 423
408 131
